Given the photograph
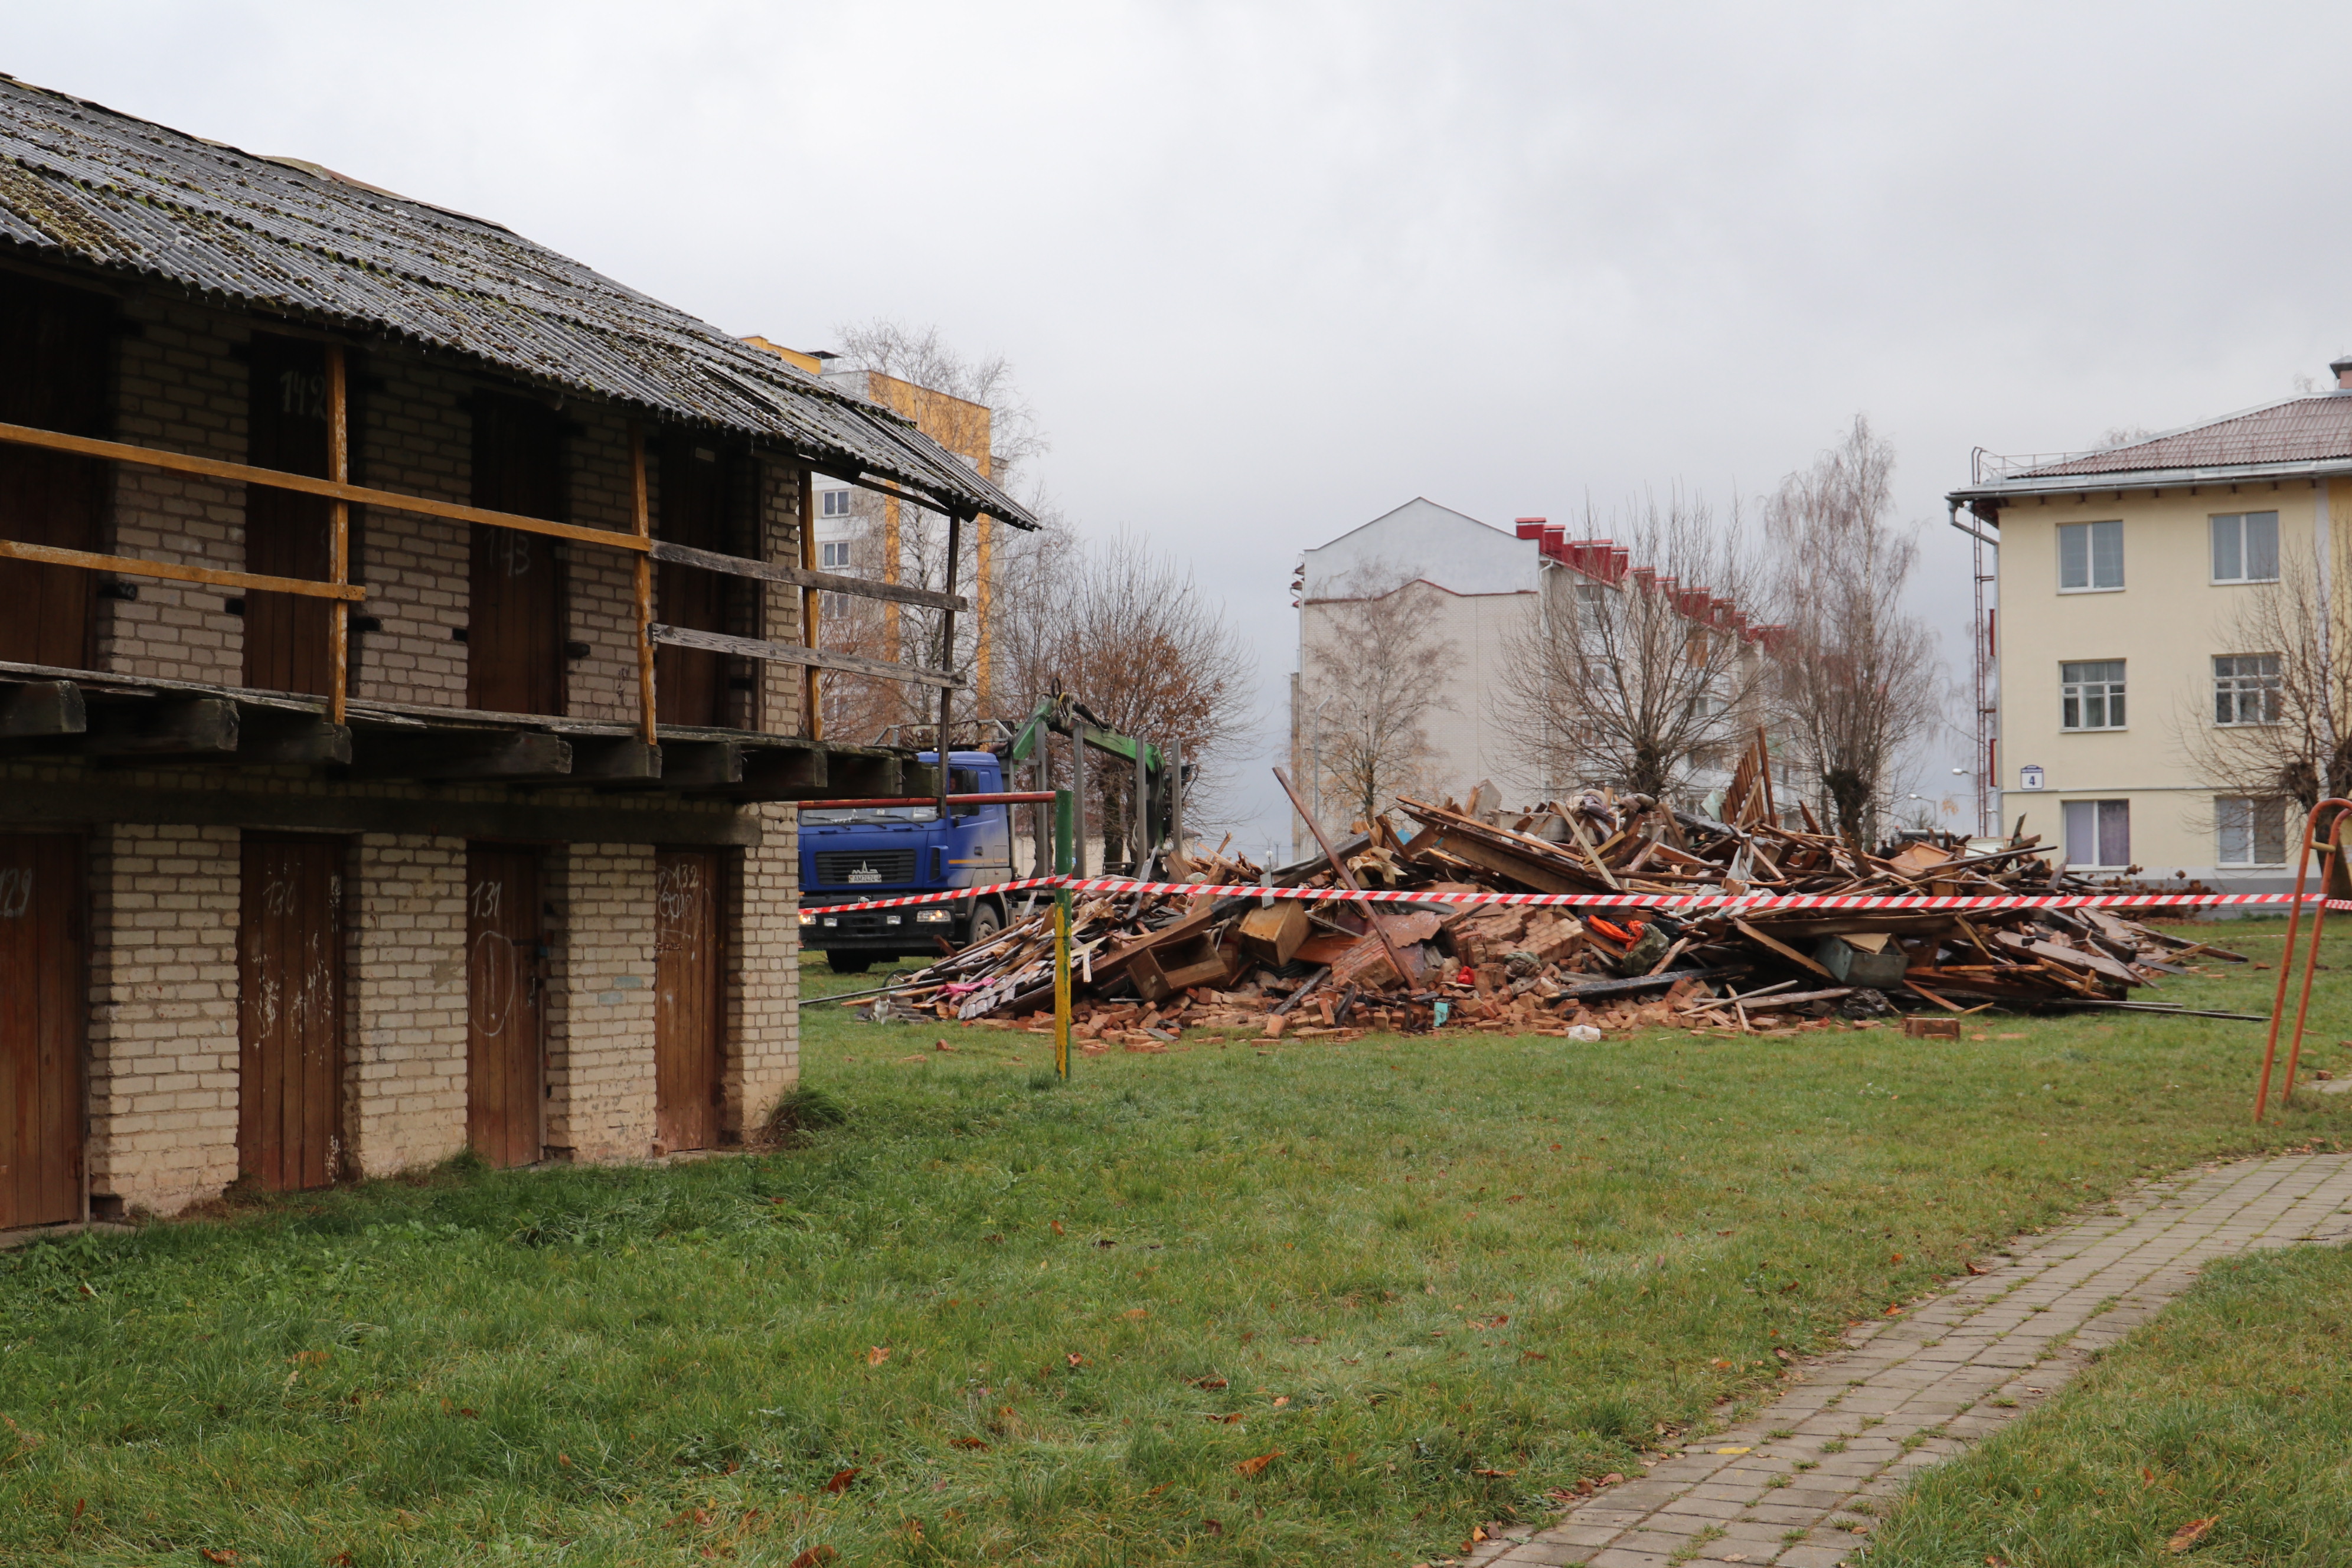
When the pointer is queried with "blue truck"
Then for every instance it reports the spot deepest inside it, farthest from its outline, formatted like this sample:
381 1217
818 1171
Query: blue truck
865 852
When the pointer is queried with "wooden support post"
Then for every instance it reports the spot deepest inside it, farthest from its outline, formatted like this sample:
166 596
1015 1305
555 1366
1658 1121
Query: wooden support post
947 655
1347 879
644 516
812 614
339 534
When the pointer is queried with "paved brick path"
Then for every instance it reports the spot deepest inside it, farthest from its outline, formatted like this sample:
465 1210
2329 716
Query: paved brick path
1909 1392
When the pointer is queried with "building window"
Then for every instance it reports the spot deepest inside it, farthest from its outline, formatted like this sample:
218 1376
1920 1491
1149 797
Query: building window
835 503
2245 547
2246 689
2092 694
2249 832
2099 833
2090 557
833 606
833 554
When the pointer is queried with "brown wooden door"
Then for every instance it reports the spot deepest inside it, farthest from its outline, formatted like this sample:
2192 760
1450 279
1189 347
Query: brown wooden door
691 684
55 348
690 954
41 1011
514 635
504 1002
289 952
287 534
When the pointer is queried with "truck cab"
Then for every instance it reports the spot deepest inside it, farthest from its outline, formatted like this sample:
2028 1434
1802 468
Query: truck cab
854 853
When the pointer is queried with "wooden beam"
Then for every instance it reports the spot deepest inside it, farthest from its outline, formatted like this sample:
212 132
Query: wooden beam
270 737
81 802
642 586
812 614
701 764
789 653
162 727
460 754
361 495
171 571
783 773
803 577
601 759
42 708
339 539
854 773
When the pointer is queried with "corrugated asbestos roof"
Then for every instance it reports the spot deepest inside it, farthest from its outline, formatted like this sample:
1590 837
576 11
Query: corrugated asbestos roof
2300 430
81 181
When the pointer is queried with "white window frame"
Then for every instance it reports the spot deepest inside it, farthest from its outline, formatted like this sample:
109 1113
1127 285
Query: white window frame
2232 688
2237 531
2100 816
2090 537
835 504
833 554
2241 818
2076 691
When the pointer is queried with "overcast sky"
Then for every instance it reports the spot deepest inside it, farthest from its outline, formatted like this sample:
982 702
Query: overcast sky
1266 271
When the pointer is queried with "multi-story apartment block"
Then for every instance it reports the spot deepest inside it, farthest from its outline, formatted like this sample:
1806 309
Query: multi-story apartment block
2162 642
402 638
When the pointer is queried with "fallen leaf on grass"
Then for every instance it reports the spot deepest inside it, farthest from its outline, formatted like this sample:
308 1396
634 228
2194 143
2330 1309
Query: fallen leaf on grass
1227 1420
968 1443
1494 1472
1075 1359
1213 1526
1208 1383
1135 1312
841 1480
306 1358
339 1560
1254 1467
2190 1534
1057 1228
1160 1488
814 1555
216 1554
876 1355
1533 1355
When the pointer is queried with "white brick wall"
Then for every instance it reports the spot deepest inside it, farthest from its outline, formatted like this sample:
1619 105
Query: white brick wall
601 1003
406 1084
162 1030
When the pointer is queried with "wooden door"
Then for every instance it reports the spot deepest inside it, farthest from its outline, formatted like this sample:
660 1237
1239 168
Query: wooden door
41 1011
691 684
689 959
289 953
505 1091
56 345
287 534
514 635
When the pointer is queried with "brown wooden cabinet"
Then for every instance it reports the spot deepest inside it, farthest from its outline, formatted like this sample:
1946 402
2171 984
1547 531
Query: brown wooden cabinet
42 965
689 1001
56 355
514 631
287 534
504 1004
290 959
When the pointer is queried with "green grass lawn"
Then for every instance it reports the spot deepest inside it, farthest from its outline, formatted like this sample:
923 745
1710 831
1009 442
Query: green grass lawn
996 1319
2232 1405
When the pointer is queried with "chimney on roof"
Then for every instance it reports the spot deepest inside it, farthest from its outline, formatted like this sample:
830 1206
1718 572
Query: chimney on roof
2343 369
1528 527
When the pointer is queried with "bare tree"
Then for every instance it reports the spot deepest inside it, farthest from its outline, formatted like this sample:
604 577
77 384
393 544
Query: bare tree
2274 725
1641 674
1371 669
1127 631
904 543
1855 676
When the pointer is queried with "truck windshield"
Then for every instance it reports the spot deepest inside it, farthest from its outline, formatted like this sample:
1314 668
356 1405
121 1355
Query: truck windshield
874 814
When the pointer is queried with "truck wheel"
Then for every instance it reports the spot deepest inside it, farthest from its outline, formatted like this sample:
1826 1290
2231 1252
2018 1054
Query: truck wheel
985 923
849 963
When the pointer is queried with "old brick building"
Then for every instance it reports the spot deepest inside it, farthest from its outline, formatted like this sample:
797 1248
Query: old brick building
402 682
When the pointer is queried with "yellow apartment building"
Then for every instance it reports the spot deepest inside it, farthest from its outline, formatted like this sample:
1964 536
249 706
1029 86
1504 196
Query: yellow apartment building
2161 646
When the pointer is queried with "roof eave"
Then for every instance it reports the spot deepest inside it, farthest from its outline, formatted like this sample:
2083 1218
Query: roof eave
2148 479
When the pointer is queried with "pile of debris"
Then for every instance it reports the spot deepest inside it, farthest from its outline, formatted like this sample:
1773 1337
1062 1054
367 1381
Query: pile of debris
1146 967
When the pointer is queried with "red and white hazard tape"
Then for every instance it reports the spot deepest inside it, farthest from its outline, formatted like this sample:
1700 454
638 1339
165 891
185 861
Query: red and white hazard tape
1734 903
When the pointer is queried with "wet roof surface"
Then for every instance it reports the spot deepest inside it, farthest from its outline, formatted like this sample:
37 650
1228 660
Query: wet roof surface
2300 430
81 183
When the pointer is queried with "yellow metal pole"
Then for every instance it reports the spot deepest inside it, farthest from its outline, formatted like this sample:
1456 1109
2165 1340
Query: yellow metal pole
1062 984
